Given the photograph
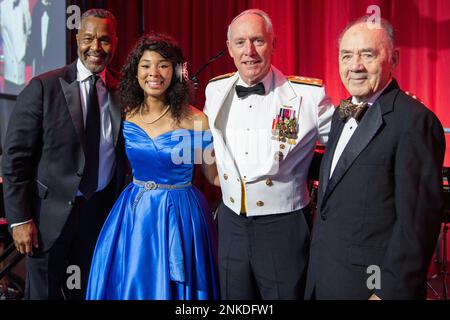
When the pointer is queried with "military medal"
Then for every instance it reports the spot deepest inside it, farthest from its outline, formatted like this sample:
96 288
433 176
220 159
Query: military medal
285 126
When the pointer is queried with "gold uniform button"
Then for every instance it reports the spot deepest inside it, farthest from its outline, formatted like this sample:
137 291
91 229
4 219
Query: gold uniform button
269 182
279 156
231 199
260 203
225 176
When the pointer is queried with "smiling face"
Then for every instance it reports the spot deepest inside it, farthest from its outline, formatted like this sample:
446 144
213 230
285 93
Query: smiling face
251 46
96 42
366 60
154 74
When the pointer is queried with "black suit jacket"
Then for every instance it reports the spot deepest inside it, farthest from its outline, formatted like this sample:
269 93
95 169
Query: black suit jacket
383 204
43 158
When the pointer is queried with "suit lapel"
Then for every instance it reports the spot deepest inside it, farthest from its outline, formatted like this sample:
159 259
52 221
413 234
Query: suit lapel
71 91
367 129
335 133
222 95
284 93
286 97
114 105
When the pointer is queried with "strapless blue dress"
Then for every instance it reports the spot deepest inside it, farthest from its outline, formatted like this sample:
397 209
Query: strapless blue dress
158 244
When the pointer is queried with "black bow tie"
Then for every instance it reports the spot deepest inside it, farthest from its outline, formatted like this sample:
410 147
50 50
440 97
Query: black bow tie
349 110
245 91
16 3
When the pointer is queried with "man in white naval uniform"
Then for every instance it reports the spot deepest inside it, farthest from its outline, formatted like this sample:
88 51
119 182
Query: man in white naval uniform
264 232
15 27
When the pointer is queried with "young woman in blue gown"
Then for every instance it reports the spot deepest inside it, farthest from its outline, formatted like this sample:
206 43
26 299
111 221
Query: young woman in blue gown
158 241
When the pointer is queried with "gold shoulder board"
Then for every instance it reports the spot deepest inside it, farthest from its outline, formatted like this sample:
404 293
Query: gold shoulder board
223 76
305 80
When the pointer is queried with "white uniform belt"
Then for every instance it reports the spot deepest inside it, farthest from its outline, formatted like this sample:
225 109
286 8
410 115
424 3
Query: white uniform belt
152 185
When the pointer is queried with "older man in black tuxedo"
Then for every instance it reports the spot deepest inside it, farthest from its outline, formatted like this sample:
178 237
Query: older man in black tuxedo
380 196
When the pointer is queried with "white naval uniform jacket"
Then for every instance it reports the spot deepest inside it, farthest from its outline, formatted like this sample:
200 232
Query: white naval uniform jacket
15 23
271 186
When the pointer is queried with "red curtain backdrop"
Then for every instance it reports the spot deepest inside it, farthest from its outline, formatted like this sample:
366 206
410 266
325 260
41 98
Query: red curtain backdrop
307 32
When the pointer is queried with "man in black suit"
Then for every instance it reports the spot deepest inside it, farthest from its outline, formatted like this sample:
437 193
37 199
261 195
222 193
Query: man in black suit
63 163
380 197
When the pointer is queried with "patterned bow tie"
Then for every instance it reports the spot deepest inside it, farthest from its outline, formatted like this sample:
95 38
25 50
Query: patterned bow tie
349 110
245 91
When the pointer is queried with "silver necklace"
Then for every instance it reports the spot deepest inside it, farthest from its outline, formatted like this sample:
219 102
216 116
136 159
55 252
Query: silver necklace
153 121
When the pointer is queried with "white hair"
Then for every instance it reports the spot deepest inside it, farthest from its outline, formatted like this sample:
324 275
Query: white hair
384 24
259 12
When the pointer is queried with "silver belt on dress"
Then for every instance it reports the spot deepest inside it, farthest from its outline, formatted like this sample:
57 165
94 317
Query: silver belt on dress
152 185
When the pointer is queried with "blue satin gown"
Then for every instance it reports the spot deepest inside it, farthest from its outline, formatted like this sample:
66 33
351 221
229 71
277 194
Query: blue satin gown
158 244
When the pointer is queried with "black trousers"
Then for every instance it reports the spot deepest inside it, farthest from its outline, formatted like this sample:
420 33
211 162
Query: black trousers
263 257
49 275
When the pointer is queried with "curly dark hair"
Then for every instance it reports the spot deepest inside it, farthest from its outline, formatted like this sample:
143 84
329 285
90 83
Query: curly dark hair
179 94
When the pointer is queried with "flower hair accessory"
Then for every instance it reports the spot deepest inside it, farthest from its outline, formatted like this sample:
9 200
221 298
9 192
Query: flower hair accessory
182 71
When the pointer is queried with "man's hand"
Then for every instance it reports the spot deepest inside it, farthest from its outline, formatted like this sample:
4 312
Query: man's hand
25 237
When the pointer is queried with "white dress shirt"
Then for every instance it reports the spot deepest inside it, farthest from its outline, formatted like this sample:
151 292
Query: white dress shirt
107 158
349 128
247 129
